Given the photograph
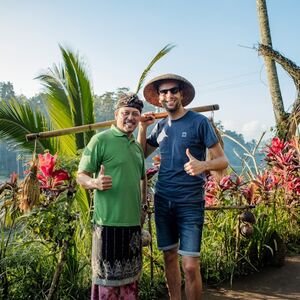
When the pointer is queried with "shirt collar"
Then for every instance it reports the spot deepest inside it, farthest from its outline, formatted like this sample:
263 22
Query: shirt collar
117 132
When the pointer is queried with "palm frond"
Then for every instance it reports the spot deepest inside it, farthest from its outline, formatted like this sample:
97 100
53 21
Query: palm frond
57 104
157 57
69 99
18 119
80 93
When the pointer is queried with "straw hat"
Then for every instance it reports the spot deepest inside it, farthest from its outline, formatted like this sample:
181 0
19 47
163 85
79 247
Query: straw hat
151 92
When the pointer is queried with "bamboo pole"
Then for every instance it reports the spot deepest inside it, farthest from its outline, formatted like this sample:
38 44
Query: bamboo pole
230 207
89 127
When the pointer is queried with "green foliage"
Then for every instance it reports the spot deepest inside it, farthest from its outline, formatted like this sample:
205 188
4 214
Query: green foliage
105 104
165 50
69 100
18 119
218 245
152 284
6 90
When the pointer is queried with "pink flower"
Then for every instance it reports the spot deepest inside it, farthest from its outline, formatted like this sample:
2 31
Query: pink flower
293 184
14 178
248 193
210 200
264 181
151 172
230 182
49 177
211 191
226 183
277 145
47 163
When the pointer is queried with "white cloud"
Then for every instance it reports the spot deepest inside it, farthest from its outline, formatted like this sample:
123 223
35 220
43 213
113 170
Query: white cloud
231 125
253 130
250 130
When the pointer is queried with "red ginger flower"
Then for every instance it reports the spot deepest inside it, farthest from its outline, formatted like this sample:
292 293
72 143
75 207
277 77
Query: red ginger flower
277 145
14 178
294 184
49 177
248 192
151 172
231 181
211 190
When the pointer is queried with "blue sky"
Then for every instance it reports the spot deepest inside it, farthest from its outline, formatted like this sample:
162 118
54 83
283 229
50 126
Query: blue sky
117 39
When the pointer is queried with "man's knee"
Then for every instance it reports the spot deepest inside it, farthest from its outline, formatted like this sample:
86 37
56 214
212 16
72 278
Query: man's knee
171 256
191 267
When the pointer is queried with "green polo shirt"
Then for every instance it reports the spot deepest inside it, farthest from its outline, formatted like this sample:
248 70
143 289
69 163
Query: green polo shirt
123 160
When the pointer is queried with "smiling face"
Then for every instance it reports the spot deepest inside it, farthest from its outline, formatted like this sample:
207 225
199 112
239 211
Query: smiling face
127 119
170 95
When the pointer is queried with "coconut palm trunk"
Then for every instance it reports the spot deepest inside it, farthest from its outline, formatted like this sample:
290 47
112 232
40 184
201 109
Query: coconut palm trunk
271 70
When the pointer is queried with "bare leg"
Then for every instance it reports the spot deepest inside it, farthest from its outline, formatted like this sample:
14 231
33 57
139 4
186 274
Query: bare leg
193 280
172 271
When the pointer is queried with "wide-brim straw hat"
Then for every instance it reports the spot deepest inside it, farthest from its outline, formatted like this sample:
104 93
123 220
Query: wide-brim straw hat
151 92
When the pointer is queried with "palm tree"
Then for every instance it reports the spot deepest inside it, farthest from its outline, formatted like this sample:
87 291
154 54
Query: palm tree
69 100
278 107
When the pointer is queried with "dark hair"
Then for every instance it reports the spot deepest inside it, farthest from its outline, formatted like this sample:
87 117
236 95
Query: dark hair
130 100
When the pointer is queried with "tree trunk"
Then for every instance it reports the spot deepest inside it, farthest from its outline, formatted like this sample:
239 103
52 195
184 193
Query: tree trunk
293 118
274 87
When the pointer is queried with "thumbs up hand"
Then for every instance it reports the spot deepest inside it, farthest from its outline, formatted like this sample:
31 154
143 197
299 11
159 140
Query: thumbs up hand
194 166
103 182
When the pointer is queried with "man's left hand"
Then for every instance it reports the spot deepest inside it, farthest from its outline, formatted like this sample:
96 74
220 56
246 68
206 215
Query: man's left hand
194 166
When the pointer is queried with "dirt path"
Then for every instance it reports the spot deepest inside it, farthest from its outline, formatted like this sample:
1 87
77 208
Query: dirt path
271 283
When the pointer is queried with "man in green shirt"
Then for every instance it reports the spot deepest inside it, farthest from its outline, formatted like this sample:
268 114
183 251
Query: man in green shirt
113 166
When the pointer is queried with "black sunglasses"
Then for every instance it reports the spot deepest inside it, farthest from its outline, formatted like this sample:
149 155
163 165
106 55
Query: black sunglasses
173 91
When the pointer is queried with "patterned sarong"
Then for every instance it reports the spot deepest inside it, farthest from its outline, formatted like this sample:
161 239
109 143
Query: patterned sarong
116 255
125 292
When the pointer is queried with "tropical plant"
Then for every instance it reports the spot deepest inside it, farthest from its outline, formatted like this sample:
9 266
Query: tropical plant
69 100
52 222
165 50
275 192
18 119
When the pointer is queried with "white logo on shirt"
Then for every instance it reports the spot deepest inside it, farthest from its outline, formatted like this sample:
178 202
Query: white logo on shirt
183 134
161 136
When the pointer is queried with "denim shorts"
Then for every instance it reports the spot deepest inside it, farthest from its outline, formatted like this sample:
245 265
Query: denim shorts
179 224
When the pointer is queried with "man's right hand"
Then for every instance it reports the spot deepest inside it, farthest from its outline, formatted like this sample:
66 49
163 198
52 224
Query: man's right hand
102 182
147 119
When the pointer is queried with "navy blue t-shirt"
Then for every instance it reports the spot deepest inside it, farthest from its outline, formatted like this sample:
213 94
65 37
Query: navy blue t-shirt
173 137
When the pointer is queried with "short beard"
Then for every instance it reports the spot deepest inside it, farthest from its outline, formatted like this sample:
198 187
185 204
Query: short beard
171 110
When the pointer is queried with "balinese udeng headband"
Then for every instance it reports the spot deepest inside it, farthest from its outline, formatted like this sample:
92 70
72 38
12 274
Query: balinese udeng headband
130 100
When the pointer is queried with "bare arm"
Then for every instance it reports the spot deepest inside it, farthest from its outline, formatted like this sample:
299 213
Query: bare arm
102 182
218 162
142 135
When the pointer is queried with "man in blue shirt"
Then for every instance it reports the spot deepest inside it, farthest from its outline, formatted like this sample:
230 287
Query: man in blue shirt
183 139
